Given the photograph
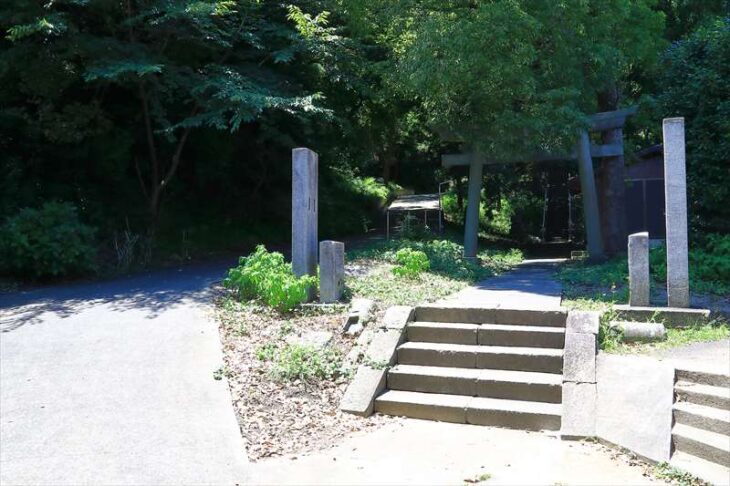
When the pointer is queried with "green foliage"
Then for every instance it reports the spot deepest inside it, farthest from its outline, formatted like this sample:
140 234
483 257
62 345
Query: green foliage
411 263
351 204
449 272
709 270
676 476
299 362
511 77
47 242
267 276
696 86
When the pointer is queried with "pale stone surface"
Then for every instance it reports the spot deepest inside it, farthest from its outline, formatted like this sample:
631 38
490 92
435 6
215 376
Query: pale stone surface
579 359
634 405
583 322
670 316
360 395
639 269
440 453
675 197
640 331
397 316
331 270
579 410
363 309
382 348
313 339
305 172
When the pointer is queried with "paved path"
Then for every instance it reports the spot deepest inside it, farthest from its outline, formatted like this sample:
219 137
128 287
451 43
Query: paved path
112 383
529 286
421 452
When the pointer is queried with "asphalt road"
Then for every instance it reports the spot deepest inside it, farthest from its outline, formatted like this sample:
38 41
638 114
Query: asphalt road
112 382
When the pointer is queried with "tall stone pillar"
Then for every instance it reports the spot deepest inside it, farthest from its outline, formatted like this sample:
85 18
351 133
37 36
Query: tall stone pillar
590 199
675 197
471 229
639 269
305 172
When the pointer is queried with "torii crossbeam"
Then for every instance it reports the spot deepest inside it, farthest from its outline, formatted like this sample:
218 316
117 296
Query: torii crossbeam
583 153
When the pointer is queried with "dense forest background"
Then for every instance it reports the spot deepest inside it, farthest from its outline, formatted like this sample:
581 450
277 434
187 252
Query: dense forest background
165 127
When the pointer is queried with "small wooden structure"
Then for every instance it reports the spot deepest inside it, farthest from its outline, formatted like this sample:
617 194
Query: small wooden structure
416 203
583 153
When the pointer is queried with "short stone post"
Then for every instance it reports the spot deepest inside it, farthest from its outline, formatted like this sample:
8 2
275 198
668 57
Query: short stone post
675 197
305 172
639 269
331 271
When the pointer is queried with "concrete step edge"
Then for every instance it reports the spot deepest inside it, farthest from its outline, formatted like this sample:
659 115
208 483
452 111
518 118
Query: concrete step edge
709 395
704 411
475 410
481 374
703 377
483 348
711 439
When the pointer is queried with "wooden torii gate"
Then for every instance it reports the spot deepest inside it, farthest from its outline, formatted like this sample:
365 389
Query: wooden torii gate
583 153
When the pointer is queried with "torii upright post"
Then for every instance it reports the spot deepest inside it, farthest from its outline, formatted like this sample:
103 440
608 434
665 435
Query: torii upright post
471 230
590 199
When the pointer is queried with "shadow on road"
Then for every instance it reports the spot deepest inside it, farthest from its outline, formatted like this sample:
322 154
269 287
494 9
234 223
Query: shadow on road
152 293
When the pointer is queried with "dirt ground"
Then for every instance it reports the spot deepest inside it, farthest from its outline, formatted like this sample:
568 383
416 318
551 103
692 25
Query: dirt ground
408 451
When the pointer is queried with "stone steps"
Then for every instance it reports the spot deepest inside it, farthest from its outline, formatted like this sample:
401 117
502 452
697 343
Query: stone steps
546 360
515 385
711 396
703 417
499 367
487 334
701 433
526 415
704 444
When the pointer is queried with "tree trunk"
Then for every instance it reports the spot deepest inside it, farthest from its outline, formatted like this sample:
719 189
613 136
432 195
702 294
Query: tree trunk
611 184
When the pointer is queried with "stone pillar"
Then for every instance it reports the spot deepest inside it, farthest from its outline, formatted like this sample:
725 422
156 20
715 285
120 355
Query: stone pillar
331 270
305 172
590 199
675 197
471 227
639 269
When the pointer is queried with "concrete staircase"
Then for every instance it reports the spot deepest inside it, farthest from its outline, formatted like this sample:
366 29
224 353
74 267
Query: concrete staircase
701 432
479 366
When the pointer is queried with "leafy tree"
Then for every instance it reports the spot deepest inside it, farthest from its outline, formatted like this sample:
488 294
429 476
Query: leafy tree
696 85
160 69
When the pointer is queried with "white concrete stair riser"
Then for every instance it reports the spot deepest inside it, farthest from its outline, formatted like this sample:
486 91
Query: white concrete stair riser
703 377
703 417
704 444
480 315
487 334
708 395
472 410
492 357
515 385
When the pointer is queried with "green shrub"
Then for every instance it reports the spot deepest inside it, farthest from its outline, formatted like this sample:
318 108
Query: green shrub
351 204
306 363
267 276
410 263
47 242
